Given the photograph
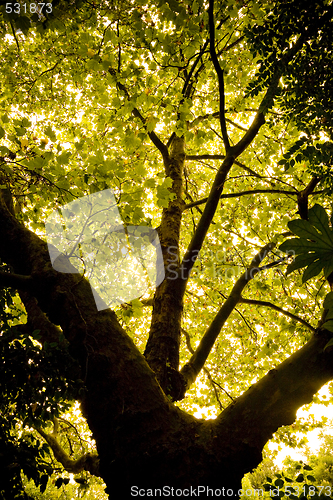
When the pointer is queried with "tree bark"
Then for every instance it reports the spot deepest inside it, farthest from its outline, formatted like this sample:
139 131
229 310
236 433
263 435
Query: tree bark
142 438
162 349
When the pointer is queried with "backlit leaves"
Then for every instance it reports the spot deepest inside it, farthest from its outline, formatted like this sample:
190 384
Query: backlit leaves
313 247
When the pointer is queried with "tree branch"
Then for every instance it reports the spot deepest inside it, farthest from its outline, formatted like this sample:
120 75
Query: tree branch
266 303
205 221
207 372
217 115
243 193
201 118
88 462
186 91
152 135
248 137
222 157
37 320
302 197
17 281
274 400
191 369
267 100
15 37
220 75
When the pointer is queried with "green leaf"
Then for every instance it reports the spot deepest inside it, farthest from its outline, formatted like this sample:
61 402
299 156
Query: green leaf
328 325
312 270
300 261
150 183
328 301
328 268
50 133
20 131
4 151
319 218
64 184
303 229
330 329
26 123
314 245
63 158
2 133
23 22
310 478
300 245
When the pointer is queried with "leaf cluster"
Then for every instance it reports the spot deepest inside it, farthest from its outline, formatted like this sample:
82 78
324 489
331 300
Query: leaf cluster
37 383
313 247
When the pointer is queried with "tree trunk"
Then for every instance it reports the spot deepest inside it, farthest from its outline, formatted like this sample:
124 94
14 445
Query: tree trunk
142 438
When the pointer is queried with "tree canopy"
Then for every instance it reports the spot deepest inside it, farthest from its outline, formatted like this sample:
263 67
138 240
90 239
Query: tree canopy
211 122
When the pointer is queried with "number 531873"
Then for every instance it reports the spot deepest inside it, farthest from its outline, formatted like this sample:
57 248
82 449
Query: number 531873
33 8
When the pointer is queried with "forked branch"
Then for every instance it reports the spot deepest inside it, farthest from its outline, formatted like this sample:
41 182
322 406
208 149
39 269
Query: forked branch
17 281
220 75
191 369
88 462
266 303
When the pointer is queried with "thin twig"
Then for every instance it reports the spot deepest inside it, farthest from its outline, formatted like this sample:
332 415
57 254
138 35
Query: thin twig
266 303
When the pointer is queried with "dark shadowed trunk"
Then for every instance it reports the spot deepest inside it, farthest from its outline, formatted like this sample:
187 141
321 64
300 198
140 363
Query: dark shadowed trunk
142 438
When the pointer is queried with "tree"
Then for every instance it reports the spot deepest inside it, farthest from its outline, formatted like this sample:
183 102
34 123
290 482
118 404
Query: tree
202 120
298 478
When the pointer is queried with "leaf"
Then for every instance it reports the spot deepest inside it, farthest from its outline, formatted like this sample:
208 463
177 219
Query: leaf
20 131
312 270
328 325
299 245
49 133
330 342
300 261
329 314
26 123
4 151
23 22
319 218
2 133
328 268
314 248
63 158
328 301
303 229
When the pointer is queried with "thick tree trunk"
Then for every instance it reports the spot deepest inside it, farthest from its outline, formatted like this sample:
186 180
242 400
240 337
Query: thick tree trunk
142 439
162 349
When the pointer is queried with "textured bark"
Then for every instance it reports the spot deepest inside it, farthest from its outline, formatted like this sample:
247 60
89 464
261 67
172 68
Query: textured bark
162 350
